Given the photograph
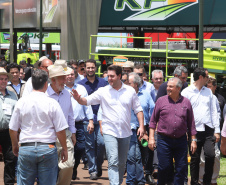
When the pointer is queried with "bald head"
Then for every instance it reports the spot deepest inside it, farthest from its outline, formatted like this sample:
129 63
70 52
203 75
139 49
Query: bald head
45 63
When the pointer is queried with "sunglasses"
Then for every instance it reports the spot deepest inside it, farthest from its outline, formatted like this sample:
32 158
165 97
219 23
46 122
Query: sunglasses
140 74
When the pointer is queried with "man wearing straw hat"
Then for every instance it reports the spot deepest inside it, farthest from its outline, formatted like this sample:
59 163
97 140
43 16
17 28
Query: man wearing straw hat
7 102
57 75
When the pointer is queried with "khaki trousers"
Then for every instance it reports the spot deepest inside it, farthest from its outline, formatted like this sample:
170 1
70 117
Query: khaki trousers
66 168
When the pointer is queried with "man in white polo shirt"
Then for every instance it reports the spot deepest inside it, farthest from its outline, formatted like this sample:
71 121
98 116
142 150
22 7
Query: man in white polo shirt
116 100
41 122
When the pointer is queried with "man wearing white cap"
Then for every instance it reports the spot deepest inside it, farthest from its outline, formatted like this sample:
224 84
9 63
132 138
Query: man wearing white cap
56 91
128 67
7 102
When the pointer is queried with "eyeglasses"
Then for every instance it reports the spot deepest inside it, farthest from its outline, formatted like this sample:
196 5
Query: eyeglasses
140 74
158 78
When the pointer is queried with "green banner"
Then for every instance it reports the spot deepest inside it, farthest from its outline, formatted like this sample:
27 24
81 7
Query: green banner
33 37
161 13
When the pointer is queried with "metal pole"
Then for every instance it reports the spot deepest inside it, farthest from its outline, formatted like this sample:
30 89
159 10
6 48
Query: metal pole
40 31
201 2
11 31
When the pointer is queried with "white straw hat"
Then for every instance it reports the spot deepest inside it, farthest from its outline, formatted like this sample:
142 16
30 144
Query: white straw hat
55 71
3 72
62 63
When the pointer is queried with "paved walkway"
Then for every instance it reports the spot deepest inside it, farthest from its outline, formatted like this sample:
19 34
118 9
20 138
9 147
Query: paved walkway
83 176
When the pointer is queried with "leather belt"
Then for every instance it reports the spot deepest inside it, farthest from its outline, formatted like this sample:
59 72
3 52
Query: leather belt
35 144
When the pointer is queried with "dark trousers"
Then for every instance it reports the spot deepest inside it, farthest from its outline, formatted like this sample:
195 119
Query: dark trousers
147 157
169 148
205 140
79 148
9 158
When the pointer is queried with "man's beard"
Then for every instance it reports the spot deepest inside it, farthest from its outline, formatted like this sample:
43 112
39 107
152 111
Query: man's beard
90 75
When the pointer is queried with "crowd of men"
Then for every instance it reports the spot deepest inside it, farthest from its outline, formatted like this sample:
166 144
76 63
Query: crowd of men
63 113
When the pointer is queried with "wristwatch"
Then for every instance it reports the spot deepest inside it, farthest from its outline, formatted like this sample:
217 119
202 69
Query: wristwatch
194 140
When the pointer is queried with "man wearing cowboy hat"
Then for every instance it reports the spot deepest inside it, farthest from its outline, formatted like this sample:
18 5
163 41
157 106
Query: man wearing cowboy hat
7 102
57 75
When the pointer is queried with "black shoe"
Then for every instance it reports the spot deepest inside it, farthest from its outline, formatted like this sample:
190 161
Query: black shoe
149 179
170 183
93 176
99 173
155 174
74 175
86 167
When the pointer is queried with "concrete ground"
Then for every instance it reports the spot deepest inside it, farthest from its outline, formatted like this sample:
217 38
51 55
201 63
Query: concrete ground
83 176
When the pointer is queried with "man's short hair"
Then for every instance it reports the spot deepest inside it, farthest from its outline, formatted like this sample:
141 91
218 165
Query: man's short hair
73 62
179 69
117 69
199 71
23 62
179 82
156 71
212 80
91 61
72 68
12 65
139 66
39 78
136 79
3 63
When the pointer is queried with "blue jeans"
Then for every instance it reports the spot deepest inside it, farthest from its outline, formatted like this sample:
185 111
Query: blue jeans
41 161
94 148
135 172
79 148
116 149
169 148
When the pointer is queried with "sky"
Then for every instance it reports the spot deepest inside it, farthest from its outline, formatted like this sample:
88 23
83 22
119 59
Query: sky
106 40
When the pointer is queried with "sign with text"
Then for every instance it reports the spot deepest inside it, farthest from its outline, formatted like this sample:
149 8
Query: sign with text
119 60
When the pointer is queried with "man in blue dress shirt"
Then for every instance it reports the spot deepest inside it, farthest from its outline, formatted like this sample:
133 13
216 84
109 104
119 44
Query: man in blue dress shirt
94 141
135 173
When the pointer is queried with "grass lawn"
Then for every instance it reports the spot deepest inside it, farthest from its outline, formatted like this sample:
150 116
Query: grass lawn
222 177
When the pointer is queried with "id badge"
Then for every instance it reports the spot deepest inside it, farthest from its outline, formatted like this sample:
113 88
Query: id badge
7 109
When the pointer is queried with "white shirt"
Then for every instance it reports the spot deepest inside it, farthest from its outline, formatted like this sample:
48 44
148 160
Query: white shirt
80 111
116 108
38 117
204 107
28 88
